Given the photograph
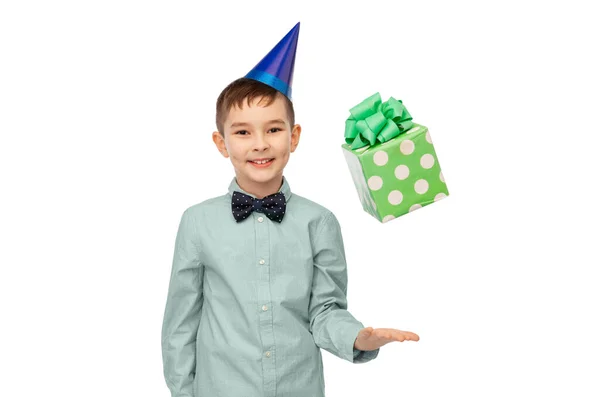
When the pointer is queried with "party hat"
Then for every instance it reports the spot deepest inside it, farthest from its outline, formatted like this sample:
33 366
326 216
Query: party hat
276 69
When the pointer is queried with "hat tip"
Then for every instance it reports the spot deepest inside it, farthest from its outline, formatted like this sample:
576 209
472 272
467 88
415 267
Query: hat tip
276 69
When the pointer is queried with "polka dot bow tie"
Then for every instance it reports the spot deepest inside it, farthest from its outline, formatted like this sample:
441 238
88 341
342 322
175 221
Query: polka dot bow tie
273 206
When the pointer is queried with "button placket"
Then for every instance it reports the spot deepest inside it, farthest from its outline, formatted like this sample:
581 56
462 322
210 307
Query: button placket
264 307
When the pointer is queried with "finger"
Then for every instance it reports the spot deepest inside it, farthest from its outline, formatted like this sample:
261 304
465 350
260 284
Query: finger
403 335
409 335
400 337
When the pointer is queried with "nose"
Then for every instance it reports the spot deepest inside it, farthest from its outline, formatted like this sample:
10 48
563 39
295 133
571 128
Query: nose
260 142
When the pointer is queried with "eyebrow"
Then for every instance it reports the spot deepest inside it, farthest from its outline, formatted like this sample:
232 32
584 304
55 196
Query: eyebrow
276 121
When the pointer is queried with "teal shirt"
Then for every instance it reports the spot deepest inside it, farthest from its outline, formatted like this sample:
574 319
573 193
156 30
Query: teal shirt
251 304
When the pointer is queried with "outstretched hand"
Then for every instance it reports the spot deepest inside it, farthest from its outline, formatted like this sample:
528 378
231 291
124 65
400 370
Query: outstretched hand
372 339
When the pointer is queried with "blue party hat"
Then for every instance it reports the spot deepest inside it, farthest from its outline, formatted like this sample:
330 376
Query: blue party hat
276 69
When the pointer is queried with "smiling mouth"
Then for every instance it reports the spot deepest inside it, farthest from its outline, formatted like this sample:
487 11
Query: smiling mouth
261 162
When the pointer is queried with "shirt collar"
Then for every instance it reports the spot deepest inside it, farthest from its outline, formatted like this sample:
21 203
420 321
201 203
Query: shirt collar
285 189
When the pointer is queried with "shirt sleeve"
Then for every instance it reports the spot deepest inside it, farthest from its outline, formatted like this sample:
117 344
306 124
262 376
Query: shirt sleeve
182 312
331 324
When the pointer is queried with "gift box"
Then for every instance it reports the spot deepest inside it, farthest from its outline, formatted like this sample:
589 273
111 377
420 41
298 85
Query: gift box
392 159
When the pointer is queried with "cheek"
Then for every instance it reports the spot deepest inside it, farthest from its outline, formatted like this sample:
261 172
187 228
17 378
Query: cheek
284 146
237 154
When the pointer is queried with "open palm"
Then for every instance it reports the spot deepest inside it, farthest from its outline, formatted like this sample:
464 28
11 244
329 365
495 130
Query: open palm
372 339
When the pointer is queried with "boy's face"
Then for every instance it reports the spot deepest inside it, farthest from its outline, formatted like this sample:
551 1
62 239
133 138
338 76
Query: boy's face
258 132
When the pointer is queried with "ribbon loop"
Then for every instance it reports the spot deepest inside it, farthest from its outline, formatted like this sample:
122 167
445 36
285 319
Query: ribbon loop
372 122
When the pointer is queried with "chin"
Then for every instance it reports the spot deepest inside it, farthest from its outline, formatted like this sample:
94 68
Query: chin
263 178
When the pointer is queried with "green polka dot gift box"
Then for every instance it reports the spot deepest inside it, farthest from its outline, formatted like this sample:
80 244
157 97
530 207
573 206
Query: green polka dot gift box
392 160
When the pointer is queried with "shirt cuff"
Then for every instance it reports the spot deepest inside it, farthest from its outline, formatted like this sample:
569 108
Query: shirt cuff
362 356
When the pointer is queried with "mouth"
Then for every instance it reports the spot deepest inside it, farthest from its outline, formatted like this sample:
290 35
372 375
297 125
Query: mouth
261 163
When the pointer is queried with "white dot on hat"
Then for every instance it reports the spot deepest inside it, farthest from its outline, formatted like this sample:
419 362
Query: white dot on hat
421 186
387 218
395 197
412 130
401 172
414 207
427 161
428 137
442 177
439 196
375 182
407 146
380 157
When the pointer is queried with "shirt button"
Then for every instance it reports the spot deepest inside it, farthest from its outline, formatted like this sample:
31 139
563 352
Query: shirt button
268 354
262 261
264 308
260 218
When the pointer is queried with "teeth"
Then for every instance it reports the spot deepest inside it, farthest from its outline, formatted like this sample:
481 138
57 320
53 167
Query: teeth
261 162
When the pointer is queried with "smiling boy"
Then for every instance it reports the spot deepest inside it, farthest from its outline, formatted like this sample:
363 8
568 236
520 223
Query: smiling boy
259 281
256 124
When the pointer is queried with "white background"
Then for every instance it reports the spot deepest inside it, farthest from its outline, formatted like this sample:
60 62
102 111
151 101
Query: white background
106 112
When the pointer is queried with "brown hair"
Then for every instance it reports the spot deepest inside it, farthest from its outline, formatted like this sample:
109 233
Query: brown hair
249 89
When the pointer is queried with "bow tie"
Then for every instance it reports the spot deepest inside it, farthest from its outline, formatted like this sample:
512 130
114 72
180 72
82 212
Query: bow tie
273 206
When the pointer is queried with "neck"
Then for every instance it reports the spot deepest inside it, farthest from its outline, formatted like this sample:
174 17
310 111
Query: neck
260 189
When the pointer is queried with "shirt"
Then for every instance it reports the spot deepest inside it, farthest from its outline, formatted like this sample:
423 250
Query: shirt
251 304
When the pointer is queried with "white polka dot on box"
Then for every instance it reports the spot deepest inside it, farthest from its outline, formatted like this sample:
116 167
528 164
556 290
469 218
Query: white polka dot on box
392 159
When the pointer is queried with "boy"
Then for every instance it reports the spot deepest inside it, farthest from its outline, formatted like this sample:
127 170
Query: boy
258 283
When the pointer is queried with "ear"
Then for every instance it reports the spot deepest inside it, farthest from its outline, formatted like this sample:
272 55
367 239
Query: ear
296 130
219 141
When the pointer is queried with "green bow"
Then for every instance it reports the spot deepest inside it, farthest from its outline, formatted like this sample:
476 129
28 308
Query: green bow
372 121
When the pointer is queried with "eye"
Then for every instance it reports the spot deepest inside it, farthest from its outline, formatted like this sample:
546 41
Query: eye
275 128
241 131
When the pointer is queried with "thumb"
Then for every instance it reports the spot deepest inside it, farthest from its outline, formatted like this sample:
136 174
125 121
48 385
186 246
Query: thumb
366 332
